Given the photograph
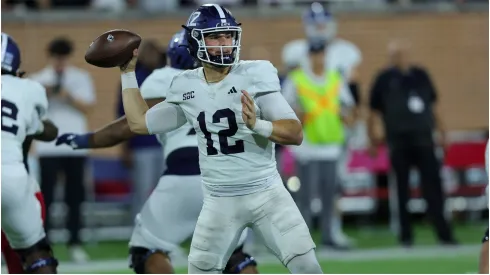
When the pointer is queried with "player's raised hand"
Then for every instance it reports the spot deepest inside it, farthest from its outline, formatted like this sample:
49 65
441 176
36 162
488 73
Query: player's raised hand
248 110
131 65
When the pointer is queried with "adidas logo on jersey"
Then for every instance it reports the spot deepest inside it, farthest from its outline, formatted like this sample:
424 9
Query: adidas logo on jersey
232 91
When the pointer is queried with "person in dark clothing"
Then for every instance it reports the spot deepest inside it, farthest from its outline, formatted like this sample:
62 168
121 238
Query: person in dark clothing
404 98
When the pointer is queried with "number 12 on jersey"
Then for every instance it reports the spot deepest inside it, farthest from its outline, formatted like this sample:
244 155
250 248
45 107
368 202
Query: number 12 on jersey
223 135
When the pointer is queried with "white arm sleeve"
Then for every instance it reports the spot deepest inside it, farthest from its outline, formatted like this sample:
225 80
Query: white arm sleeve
164 117
274 107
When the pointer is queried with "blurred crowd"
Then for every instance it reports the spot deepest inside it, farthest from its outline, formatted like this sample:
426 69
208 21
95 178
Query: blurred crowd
169 5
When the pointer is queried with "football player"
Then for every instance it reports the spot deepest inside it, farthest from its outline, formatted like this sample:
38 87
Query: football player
342 55
238 113
169 215
24 107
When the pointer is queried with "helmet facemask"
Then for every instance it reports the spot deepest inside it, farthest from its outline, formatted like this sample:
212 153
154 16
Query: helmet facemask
224 57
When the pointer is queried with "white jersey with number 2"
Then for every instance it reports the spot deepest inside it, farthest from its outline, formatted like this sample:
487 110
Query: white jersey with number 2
24 105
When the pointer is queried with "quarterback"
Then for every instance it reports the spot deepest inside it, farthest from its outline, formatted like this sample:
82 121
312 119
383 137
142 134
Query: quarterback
238 113
169 216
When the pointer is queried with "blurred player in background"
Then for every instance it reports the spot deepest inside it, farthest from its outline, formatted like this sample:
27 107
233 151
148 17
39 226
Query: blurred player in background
169 216
484 248
323 103
141 155
24 108
321 27
341 55
238 113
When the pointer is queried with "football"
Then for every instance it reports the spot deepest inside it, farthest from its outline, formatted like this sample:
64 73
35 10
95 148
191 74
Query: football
112 49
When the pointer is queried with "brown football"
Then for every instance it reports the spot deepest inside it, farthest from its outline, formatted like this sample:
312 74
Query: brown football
112 49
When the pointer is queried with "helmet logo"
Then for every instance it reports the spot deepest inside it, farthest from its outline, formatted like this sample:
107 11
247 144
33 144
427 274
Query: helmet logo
110 38
195 33
193 18
8 58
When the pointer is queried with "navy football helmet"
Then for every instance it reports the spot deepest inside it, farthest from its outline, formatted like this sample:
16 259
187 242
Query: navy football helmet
178 54
212 19
10 55
320 25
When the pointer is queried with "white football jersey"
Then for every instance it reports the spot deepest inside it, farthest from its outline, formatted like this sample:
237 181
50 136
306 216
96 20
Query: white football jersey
341 55
233 160
155 86
24 106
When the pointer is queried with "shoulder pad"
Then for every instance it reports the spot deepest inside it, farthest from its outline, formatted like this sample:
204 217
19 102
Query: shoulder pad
294 52
158 83
37 95
180 84
347 49
35 89
264 77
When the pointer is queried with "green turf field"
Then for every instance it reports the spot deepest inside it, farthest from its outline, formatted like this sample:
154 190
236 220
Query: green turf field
377 253
368 237
456 265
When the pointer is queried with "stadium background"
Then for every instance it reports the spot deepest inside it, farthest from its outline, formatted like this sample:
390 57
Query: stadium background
450 40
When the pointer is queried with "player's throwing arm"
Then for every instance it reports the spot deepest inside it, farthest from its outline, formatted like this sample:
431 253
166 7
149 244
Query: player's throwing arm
143 120
114 49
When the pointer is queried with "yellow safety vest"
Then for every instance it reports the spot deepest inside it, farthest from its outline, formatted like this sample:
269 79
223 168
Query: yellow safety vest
321 106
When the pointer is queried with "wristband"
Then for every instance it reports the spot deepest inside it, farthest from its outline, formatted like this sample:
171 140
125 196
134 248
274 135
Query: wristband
128 81
263 128
83 141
